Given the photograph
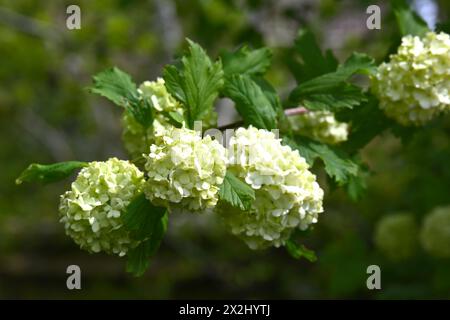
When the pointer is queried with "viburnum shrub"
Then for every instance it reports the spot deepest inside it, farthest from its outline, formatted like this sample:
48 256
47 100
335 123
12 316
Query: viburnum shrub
261 181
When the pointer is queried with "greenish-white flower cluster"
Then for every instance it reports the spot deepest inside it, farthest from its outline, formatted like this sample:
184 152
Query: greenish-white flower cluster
92 209
184 170
135 137
435 233
396 236
287 194
414 86
320 125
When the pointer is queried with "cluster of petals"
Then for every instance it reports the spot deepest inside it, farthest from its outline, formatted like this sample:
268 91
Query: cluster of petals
287 195
184 170
414 86
93 208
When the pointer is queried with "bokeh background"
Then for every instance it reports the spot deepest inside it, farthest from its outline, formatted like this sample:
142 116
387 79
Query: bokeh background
46 116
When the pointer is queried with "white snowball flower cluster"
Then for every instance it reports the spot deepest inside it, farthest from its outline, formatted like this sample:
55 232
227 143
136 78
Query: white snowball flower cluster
92 209
287 194
184 170
435 233
136 138
414 86
320 125
162 100
396 235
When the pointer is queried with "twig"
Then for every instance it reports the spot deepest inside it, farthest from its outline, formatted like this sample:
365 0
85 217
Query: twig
295 111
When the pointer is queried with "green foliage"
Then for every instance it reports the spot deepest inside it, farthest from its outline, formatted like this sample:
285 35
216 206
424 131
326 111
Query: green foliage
297 251
245 61
357 184
176 117
338 165
236 193
196 83
408 21
139 257
117 86
331 91
251 102
254 96
47 173
275 101
148 224
367 121
141 217
337 98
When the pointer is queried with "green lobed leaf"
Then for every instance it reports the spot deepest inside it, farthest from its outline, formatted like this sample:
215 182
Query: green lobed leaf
251 102
298 251
236 192
331 91
47 173
139 257
275 101
246 61
173 82
408 21
315 63
367 121
117 86
345 96
141 216
196 83
357 63
147 223
338 165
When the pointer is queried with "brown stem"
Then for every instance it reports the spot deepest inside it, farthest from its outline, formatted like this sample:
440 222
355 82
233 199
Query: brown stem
288 112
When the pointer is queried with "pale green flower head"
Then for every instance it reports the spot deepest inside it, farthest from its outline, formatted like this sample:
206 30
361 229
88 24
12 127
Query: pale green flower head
435 233
161 99
396 236
136 138
93 207
287 194
184 170
321 126
414 86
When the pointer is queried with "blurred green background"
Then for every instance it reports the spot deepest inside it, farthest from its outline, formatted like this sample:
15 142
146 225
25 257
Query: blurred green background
46 116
